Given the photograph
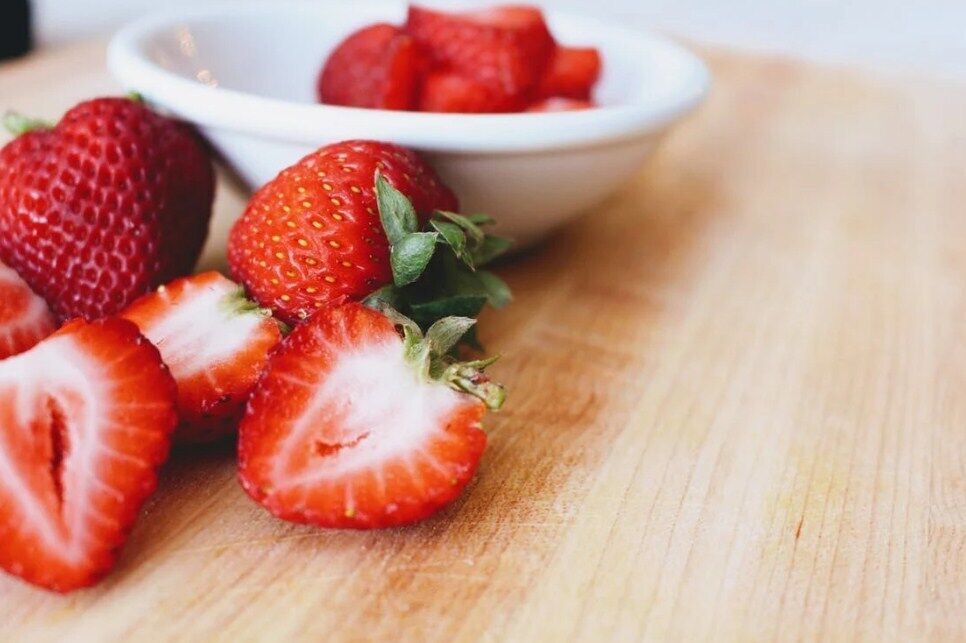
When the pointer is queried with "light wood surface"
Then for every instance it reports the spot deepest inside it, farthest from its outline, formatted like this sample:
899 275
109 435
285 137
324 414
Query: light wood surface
737 410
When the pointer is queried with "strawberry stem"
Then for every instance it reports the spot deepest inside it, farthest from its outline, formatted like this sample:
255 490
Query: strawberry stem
18 124
465 378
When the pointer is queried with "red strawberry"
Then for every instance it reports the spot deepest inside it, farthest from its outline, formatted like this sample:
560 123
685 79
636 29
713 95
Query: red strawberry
378 66
216 343
445 91
558 104
312 236
110 203
572 73
85 420
504 47
24 317
350 427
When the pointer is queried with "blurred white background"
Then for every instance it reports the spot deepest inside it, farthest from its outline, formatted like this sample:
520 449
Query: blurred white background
924 36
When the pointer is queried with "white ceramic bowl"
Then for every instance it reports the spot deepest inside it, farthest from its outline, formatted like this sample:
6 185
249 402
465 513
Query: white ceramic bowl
245 74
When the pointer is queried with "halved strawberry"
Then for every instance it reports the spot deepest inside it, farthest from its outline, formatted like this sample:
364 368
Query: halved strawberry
559 104
216 343
25 318
572 73
446 91
505 47
351 426
85 420
378 66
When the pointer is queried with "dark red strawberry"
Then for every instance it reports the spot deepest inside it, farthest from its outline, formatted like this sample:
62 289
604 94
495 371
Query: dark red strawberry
353 427
445 91
506 47
312 236
25 318
85 420
110 203
572 73
216 343
378 66
558 104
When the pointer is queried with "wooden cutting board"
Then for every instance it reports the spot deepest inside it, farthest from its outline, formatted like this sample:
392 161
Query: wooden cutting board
737 409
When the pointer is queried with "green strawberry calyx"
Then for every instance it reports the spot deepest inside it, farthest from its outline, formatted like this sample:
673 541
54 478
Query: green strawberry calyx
18 124
437 270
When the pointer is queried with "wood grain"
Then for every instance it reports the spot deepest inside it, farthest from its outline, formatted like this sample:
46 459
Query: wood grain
736 412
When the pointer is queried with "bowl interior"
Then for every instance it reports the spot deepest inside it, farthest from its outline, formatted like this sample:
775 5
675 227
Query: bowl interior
275 50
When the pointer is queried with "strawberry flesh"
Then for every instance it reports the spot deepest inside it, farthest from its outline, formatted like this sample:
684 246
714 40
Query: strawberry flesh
342 432
85 420
25 318
450 92
378 66
572 73
558 104
216 344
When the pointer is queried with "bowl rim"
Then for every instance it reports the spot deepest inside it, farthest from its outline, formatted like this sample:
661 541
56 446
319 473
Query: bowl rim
296 122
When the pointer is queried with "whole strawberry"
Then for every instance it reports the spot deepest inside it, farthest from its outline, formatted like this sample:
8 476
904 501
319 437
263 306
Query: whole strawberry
313 236
111 202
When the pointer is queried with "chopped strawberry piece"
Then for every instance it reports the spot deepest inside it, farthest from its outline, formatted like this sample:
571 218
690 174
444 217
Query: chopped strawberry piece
451 92
572 73
343 431
85 420
507 48
25 318
558 104
378 67
216 343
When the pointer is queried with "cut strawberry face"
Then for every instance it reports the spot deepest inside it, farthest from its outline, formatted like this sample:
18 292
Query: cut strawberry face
346 429
572 73
507 47
450 92
85 420
25 318
216 343
378 66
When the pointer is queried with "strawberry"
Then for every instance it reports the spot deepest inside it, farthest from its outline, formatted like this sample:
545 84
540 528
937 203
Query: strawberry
558 104
85 420
378 66
312 236
352 426
216 343
506 47
445 91
572 73
111 202
25 318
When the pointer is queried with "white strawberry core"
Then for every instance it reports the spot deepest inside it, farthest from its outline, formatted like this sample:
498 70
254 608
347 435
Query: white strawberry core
201 331
59 373
371 407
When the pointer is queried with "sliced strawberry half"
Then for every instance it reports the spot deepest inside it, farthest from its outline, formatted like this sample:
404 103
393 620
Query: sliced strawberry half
216 343
85 420
572 73
378 66
505 47
25 318
351 426
445 91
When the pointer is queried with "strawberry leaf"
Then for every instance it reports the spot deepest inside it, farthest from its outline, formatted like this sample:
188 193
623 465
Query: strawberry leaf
387 296
396 212
18 124
457 306
491 248
410 256
497 290
480 219
454 236
473 232
446 332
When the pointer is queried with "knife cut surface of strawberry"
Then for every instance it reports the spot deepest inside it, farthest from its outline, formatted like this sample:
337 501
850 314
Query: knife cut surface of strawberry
351 426
85 420
25 318
216 343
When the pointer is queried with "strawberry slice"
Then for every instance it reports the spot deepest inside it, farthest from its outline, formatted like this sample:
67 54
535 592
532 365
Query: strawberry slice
353 427
558 104
25 318
85 420
572 73
216 343
450 92
506 47
378 67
